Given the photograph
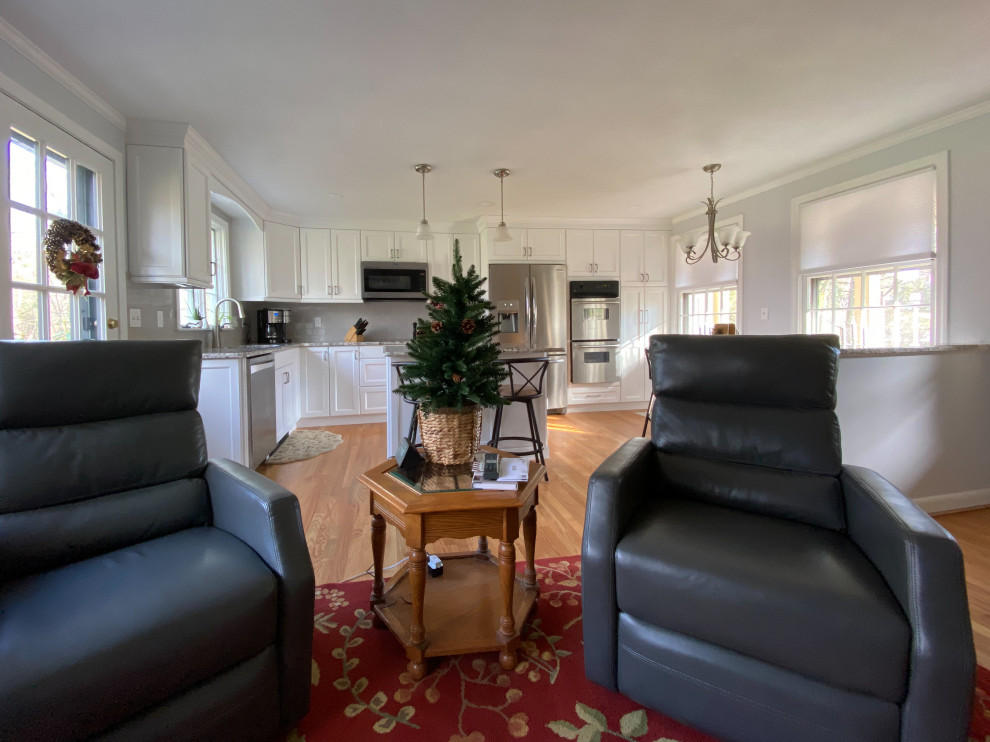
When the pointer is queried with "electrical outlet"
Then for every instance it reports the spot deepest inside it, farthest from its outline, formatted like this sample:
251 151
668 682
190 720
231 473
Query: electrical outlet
317 321
161 318
135 318
765 313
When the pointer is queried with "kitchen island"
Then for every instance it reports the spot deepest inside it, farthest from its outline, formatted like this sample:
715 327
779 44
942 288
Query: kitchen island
514 422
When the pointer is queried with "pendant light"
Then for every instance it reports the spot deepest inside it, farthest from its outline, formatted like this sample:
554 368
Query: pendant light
721 244
423 232
501 231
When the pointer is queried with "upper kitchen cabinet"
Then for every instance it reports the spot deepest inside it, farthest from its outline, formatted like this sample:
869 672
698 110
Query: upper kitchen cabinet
331 265
593 253
441 254
395 247
282 279
168 214
644 256
529 245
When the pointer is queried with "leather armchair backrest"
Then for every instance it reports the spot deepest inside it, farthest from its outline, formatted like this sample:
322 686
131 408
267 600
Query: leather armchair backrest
748 421
101 447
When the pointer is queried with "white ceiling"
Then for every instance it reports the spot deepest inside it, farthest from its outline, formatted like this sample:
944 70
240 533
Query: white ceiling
600 109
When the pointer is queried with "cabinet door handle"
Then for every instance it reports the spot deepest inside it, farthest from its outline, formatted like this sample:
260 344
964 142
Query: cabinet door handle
285 377
647 277
591 267
213 268
330 290
338 289
325 355
596 267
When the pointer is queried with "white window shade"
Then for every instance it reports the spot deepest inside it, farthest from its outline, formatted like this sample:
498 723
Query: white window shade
881 223
704 272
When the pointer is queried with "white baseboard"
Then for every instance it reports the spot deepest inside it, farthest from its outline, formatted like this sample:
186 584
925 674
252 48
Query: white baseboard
325 422
954 501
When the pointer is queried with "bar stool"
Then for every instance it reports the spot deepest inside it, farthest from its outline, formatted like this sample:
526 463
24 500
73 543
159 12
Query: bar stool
526 377
414 421
649 407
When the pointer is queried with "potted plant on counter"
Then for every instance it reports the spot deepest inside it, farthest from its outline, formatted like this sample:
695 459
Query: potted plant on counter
455 370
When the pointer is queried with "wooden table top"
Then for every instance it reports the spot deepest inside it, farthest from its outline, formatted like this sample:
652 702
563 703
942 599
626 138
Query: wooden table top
403 498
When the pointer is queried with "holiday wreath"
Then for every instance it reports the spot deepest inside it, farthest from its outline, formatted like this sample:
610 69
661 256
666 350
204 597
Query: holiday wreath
73 267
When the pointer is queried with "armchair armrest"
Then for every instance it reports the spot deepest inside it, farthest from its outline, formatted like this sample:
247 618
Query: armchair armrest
923 566
266 517
615 492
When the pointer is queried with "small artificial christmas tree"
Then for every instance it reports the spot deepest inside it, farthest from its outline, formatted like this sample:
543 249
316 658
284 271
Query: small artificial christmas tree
456 358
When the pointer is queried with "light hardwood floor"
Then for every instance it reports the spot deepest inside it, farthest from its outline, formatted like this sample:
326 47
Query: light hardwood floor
338 525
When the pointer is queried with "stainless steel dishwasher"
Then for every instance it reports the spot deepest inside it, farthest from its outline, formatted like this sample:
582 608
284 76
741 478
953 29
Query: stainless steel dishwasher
261 392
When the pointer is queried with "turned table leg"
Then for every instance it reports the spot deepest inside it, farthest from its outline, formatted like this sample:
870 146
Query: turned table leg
529 540
417 585
378 555
507 577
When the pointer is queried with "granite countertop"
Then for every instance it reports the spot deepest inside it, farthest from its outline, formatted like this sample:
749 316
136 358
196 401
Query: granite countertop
873 352
250 351
400 354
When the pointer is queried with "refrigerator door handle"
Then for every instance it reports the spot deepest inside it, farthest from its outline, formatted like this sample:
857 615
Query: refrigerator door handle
534 315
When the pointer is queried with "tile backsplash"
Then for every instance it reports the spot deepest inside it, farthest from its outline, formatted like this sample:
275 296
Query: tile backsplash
387 320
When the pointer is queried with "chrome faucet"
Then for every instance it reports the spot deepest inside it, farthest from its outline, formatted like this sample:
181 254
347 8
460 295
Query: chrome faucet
216 319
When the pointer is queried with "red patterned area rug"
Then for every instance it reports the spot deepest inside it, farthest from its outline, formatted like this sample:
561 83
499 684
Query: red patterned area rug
361 690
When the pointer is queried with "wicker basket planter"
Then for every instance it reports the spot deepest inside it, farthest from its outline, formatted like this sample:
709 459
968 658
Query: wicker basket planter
451 436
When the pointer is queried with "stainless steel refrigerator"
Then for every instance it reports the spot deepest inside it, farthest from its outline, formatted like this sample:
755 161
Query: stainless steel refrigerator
531 304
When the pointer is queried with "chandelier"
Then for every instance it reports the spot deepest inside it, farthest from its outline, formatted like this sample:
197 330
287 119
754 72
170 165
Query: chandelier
723 244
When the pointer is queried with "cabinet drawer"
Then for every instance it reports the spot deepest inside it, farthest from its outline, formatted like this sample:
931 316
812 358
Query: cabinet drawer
371 351
373 400
593 395
372 372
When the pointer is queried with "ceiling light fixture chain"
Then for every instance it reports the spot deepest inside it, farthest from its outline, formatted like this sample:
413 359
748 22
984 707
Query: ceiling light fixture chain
423 232
501 231
724 243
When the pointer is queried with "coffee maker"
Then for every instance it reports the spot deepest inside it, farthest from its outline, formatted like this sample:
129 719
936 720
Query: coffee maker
272 326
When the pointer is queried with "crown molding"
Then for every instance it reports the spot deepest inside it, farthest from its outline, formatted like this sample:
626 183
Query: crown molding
70 82
490 222
942 122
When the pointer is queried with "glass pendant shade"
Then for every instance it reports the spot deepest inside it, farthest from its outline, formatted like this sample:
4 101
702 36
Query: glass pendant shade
423 232
501 233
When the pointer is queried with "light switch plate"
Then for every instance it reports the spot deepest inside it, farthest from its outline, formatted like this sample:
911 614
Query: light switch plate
764 312
317 321
134 318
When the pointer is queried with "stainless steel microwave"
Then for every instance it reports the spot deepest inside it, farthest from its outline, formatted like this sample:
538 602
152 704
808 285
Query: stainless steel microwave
382 281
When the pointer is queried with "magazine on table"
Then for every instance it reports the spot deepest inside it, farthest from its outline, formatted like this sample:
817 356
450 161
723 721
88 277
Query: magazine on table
511 471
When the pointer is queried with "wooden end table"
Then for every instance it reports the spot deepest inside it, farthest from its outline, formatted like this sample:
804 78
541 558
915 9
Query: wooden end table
479 603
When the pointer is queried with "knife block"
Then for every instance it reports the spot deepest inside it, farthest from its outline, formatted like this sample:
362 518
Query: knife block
353 337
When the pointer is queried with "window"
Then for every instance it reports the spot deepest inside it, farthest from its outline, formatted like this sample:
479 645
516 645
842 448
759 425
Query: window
869 258
702 309
195 306
46 183
885 307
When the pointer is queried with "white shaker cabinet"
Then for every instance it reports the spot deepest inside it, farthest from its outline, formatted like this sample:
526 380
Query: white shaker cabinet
645 256
593 253
223 400
314 377
282 279
330 263
344 381
538 245
644 313
168 217
397 247
372 377
286 391
442 254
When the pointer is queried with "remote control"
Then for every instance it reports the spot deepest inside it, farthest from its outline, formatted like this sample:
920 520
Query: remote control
490 472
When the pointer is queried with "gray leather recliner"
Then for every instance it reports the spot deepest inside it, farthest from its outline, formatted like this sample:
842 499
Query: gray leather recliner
144 593
739 578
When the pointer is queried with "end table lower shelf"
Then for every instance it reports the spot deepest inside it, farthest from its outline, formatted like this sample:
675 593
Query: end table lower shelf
461 611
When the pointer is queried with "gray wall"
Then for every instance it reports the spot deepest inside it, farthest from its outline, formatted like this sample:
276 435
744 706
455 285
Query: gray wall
921 421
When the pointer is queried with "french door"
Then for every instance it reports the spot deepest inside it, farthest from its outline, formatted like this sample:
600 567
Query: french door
49 174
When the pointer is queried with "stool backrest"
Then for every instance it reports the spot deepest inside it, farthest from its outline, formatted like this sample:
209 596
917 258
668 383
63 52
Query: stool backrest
526 376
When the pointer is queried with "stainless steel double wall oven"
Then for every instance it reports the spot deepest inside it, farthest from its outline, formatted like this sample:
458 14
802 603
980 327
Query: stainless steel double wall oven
595 327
